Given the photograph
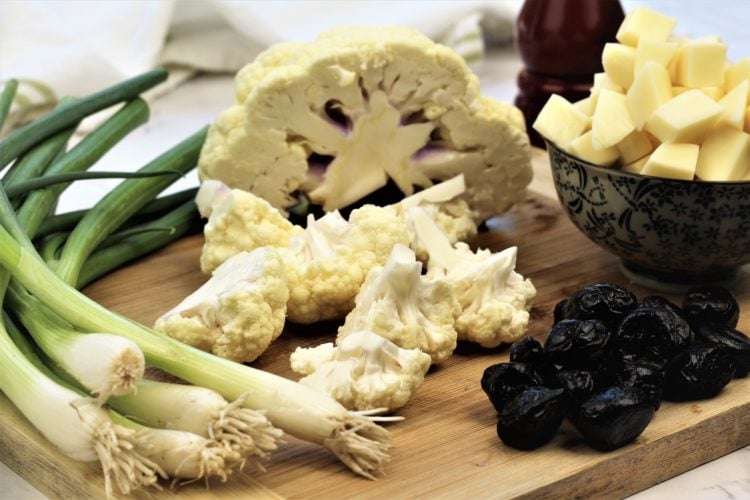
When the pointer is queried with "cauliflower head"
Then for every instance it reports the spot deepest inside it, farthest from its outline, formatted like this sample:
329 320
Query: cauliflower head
411 310
364 371
237 312
340 116
327 263
238 221
495 300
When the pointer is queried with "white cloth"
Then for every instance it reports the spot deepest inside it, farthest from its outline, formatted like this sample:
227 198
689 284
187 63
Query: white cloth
76 47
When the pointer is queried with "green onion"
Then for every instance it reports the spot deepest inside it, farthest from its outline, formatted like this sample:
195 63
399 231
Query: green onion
180 220
66 221
101 363
123 202
294 408
63 117
81 157
77 427
6 99
23 187
50 249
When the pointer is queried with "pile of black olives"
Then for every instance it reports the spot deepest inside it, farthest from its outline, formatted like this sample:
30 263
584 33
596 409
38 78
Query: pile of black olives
609 360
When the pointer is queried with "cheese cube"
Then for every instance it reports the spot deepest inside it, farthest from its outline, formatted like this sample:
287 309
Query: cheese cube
650 90
747 119
636 167
618 61
724 155
611 122
584 149
700 63
644 23
661 53
602 81
673 161
734 104
736 73
685 118
634 147
587 105
560 122
715 93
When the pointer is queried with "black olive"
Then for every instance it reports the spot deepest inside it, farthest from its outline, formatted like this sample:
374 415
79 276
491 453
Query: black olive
562 311
532 418
614 417
701 372
527 350
656 333
576 343
503 381
733 341
605 302
579 385
645 376
711 304
659 302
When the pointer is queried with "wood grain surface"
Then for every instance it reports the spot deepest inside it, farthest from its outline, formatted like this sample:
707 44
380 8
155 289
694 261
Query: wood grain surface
447 447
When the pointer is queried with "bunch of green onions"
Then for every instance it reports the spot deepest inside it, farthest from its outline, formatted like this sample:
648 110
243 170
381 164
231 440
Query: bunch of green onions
58 348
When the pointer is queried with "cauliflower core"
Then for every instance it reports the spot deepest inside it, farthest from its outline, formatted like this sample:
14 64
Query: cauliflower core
237 312
410 310
368 104
495 300
364 371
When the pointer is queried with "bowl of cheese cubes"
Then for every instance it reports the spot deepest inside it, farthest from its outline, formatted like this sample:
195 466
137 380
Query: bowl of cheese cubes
654 165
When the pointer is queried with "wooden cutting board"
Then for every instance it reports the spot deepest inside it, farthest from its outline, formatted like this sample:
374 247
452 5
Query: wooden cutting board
447 446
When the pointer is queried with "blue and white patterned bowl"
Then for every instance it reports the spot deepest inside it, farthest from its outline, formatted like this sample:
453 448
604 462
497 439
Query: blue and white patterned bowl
666 232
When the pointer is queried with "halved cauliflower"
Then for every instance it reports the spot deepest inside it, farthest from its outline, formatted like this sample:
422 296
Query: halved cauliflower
364 371
410 310
495 300
368 104
238 221
237 312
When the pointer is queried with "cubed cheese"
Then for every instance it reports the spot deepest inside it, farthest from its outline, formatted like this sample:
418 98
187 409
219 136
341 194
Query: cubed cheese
636 167
584 149
644 23
634 147
685 118
587 105
747 119
700 63
650 90
602 81
618 61
673 161
734 104
611 122
715 93
724 155
736 73
560 122
649 50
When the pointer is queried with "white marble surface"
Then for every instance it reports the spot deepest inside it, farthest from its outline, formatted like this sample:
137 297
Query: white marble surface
191 106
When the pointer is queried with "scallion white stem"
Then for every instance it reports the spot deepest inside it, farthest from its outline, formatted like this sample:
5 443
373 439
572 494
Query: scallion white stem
77 427
102 363
203 412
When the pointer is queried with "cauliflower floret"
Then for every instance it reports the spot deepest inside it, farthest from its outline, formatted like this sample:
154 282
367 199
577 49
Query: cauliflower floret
327 263
410 310
495 300
237 312
379 103
363 372
238 221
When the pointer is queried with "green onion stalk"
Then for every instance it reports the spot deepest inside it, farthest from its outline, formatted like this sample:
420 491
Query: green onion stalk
170 453
301 411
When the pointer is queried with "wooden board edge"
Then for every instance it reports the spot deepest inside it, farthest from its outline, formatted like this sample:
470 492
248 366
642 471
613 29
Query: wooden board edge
659 460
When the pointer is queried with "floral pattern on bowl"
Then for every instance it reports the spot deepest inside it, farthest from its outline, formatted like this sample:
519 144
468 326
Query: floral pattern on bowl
679 230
